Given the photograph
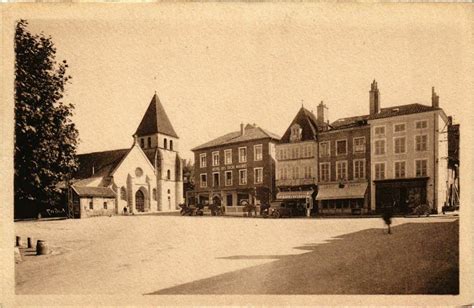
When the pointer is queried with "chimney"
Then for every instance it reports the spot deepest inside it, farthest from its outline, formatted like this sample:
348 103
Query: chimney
320 112
374 98
242 130
434 98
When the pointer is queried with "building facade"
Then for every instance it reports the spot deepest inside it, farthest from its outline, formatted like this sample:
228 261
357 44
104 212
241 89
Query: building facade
297 158
236 169
409 152
144 178
344 167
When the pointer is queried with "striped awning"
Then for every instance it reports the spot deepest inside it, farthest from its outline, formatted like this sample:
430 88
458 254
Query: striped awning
294 194
347 191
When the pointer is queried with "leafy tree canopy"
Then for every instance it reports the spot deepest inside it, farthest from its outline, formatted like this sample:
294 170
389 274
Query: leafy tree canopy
45 136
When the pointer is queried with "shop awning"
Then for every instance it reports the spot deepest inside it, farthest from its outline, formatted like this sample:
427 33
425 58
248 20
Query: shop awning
294 194
348 191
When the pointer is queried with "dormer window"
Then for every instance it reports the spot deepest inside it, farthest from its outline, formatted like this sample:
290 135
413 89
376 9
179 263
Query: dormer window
296 133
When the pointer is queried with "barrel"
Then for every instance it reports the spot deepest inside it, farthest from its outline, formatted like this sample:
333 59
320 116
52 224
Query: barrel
41 248
29 243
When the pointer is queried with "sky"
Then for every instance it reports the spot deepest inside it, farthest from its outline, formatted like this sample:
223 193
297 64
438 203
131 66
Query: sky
216 66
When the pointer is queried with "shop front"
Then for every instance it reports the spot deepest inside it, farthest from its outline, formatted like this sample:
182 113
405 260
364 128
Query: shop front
301 201
403 195
342 199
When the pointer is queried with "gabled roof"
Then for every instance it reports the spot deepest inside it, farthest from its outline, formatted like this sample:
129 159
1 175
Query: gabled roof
98 164
87 191
251 132
150 154
308 123
155 120
402 110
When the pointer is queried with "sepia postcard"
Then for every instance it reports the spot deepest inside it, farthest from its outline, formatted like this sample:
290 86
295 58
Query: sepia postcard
236 153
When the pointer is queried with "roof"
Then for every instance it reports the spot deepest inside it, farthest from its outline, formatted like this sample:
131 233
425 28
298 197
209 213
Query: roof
98 163
309 124
402 110
150 154
155 120
350 122
86 191
252 132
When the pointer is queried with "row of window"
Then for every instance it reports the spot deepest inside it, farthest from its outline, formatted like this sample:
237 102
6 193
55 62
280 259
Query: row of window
296 152
165 143
123 194
341 170
257 156
228 178
399 145
295 172
400 127
91 205
421 166
358 146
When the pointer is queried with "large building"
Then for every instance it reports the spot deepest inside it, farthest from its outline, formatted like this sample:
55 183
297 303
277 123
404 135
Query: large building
235 169
297 157
409 155
144 178
344 167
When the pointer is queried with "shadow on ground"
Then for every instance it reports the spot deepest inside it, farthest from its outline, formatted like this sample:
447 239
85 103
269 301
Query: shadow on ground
418 258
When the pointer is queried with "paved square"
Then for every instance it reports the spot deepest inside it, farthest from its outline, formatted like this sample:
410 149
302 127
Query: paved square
136 255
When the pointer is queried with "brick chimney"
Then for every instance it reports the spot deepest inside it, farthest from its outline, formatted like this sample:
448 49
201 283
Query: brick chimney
242 129
320 112
374 98
434 98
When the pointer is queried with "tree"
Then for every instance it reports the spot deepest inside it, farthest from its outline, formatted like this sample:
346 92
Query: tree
45 136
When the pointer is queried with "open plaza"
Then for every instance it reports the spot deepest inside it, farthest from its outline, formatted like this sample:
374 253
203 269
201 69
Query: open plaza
171 254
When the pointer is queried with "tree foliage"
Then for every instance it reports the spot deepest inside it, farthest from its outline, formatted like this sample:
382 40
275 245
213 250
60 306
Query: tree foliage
45 136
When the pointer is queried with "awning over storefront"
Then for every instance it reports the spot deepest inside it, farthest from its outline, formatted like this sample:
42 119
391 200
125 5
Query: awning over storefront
348 191
294 194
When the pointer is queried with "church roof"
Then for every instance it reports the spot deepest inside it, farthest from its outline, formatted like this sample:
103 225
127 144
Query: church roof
308 123
87 191
252 132
99 164
155 120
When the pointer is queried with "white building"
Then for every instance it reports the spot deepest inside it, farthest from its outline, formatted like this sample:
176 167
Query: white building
144 178
409 155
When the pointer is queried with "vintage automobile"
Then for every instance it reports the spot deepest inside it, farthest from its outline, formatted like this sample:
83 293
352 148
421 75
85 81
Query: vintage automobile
287 208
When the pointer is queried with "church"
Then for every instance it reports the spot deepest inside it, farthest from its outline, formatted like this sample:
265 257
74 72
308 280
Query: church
145 178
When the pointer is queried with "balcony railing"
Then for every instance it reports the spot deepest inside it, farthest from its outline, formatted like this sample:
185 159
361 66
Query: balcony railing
296 182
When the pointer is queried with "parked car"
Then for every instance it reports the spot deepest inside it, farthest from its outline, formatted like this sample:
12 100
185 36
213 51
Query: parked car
287 208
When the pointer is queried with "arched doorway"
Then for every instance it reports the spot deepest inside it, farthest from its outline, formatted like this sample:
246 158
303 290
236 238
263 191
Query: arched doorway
140 201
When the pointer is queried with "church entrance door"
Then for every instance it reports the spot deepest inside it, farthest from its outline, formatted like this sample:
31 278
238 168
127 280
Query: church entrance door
140 201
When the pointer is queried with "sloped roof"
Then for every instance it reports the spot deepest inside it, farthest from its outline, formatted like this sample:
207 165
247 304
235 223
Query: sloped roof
350 122
87 191
102 163
252 132
309 124
402 110
155 120
150 154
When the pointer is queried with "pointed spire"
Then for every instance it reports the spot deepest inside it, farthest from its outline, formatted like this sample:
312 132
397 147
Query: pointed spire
155 120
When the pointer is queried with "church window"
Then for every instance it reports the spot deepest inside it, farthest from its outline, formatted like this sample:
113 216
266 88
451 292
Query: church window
123 193
105 205
142 143
165 143
91 205
149 142
171 145
154 194
169 191
168 174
